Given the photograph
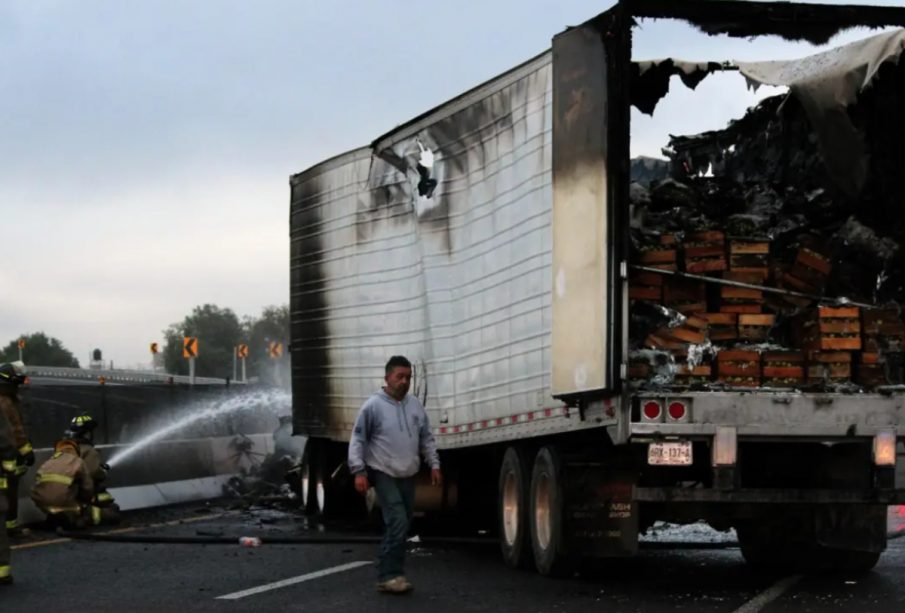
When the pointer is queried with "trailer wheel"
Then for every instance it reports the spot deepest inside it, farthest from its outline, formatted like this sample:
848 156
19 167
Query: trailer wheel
762 551
308 481
546 515
514 484
324 492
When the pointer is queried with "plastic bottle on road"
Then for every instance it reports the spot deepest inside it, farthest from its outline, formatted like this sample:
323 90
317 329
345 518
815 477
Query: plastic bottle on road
249 541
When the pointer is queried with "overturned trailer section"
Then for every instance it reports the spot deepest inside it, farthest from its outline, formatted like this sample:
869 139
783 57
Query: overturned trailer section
491 241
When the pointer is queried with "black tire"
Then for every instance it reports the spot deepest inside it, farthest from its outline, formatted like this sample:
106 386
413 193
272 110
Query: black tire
546 515
762 551
512 509
790 547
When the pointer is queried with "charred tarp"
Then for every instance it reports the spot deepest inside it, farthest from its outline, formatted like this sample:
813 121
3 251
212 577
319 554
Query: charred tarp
814 23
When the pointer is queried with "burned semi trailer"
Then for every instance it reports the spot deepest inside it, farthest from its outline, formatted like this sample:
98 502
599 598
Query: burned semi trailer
579 341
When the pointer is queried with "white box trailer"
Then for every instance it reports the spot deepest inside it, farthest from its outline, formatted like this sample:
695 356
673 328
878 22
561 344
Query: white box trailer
487 241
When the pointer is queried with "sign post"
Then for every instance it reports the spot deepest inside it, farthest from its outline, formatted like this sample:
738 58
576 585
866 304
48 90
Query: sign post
155 349
190 352
21 345
242 353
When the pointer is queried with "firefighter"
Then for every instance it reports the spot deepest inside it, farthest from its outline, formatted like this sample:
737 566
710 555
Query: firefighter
63 487
8 456
11 377
103 507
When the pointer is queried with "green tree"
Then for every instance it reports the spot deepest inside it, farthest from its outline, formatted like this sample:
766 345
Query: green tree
40 350
272 325
218 331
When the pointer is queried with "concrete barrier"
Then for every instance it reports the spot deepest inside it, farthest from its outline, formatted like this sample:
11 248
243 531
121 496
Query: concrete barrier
191 463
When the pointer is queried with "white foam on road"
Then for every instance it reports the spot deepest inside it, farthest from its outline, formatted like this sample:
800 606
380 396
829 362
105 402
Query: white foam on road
699 532
293 580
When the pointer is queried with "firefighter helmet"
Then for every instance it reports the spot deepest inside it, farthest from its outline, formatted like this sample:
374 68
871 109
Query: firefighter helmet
82 425
12 372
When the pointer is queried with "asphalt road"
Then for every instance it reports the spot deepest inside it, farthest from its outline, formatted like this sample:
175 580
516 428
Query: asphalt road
57 574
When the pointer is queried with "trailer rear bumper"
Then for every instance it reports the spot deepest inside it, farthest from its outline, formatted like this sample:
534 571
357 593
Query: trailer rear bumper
767 496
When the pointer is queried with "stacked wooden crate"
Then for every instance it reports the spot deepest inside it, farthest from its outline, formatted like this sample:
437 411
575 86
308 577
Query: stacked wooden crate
828 345
748 257
721 327
663 255
829 367
829 329
784 368
883 342
808 275
705 252
685 296
738 368
646 286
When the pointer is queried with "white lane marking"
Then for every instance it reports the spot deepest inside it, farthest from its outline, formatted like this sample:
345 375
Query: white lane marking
292 581
769 595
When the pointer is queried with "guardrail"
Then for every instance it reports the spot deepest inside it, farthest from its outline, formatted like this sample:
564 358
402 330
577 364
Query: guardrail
121 376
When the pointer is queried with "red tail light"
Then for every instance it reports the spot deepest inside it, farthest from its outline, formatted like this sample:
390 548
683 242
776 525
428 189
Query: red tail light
677 411
652 410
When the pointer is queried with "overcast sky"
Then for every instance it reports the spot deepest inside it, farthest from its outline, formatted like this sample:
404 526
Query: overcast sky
146 146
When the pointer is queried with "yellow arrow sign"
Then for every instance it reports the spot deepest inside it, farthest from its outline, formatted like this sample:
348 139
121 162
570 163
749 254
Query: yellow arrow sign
276 349
242 350
190 347
21 343
155 349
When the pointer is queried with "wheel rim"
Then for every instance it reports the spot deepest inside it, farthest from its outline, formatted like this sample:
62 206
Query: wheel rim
306 482
320 492
542 520
510 508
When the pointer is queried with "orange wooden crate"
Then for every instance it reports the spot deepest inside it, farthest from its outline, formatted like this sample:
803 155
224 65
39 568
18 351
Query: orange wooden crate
755 327
738 367
688 375
831 329
783 368
750 257
685 296
705 252
831 366
721 326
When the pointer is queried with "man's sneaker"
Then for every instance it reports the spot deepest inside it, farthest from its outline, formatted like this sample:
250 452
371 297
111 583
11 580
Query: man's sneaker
396 585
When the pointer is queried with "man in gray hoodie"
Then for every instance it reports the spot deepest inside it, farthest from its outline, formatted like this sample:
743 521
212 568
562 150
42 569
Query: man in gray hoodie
391 435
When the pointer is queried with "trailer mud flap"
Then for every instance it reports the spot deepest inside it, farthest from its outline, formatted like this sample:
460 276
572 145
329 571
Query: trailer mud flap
854 527
600 518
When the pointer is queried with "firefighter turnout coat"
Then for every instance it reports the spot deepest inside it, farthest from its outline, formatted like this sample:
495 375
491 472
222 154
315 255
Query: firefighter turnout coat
8 456
62 484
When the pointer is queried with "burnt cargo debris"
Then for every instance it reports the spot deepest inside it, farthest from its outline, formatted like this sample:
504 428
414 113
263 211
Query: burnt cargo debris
769 267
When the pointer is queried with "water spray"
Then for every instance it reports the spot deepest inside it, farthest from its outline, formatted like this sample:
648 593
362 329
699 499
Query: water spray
274 401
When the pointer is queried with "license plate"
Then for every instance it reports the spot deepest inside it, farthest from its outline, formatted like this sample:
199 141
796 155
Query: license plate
674 453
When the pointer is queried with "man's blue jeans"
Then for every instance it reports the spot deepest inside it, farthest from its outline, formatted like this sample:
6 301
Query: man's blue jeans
397 499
